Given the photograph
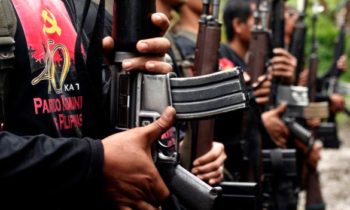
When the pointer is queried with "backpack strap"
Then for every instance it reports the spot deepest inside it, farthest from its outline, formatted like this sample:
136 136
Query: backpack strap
8 26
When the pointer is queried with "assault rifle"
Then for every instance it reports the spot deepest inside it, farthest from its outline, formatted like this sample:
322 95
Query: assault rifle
327 131
259 54
297 44
206 62
242 195
295 96
260 49
137 99
332 76
279 165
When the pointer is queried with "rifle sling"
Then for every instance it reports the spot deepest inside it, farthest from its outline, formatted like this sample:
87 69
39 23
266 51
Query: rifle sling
8 24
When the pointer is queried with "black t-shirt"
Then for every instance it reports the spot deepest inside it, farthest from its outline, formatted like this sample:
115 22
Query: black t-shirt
49 158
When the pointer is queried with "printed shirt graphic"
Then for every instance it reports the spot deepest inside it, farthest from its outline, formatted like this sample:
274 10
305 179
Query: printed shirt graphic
51 38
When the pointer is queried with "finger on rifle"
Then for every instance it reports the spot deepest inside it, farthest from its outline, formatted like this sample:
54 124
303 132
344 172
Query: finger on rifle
160 190
210 156
282 67
142 205
211 175
161 20
161 125
214 181
262 100
153 64
281 143
261 80
283 74
281 108
124 207
108 45
285 130
159 67
210 166
263 91
285 60
281 51
157 45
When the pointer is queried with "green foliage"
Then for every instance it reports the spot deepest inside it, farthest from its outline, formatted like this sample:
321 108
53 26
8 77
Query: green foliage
327 31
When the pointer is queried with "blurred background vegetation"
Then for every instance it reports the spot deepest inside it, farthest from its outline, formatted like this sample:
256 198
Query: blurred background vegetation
327 31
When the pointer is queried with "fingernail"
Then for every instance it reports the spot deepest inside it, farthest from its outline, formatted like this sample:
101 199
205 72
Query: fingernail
150 65
157 17
143 46
126 64
169 112
196 163
194 171
211 182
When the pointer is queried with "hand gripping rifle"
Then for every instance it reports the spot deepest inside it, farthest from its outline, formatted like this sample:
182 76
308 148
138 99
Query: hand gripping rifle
137 99
327 130
310 174
260 49
206 62
294 96
279 164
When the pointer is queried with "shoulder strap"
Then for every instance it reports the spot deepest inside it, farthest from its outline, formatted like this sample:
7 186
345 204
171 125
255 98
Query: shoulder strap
183 60
8 26
8 23
189 35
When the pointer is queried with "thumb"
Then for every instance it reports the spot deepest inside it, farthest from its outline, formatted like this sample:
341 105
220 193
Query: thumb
161 125
281 108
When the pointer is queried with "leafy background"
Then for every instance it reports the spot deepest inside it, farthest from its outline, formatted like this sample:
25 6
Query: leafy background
327 31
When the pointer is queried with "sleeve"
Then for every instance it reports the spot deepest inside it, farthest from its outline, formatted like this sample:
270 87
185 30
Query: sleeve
44 166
